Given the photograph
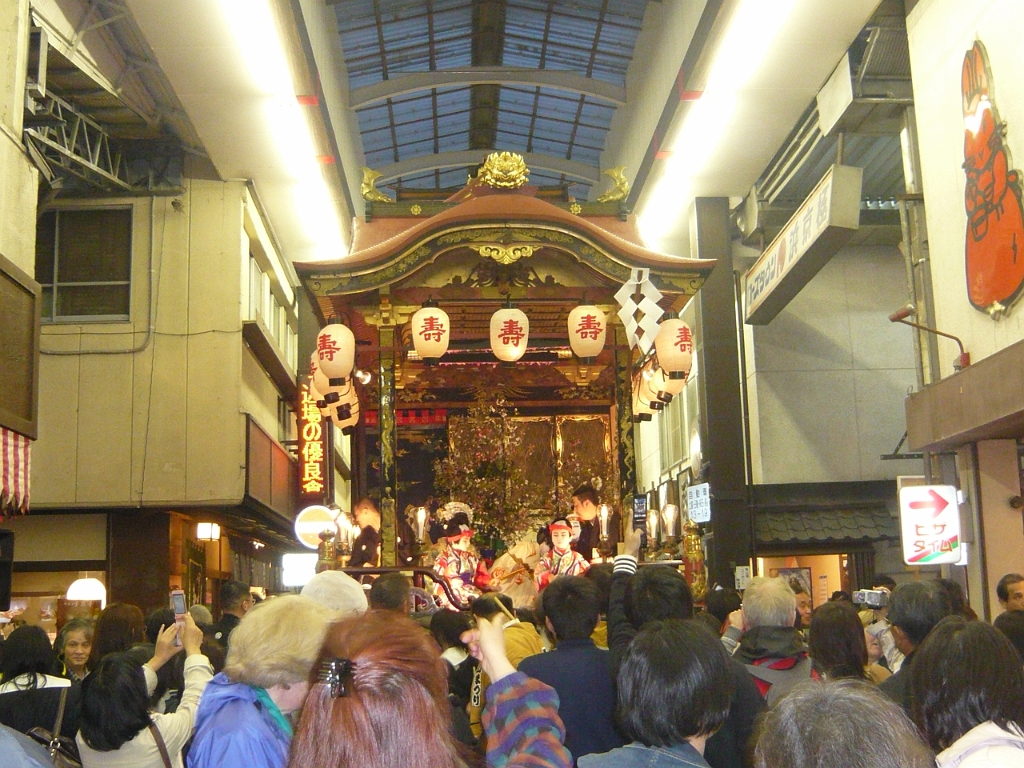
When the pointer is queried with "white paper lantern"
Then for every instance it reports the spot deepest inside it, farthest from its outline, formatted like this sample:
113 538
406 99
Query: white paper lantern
674 345
431 332
648 394
665 387
587 331
510 334
336 352
641 410
348 399
318 380
348 425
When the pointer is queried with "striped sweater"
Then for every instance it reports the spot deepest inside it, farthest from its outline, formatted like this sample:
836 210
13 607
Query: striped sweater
522 725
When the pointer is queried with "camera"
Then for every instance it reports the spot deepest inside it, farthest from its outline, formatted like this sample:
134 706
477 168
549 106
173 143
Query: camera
872 598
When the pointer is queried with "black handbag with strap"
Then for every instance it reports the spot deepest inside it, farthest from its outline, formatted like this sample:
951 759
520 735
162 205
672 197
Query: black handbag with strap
63 751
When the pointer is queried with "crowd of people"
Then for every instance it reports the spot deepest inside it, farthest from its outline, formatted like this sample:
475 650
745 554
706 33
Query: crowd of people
613 668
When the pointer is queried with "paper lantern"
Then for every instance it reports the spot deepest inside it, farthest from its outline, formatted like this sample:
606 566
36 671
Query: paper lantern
587 331
348 425
510 334
665 387
431 332
674 345
641 411
336 353
648 394
348 399
318 380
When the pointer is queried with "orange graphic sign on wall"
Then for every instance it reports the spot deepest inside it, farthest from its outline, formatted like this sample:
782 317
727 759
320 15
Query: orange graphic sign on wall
992 196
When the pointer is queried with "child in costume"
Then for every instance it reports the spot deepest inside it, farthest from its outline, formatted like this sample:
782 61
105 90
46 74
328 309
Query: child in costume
457 563
561 559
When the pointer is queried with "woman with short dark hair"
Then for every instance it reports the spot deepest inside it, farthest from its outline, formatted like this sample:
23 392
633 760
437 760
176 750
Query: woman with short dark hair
968 695
117 729
29 695
837 643
674 689
119 627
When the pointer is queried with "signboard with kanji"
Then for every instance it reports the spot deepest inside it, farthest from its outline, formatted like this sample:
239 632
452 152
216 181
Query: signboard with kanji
313 465
822 224
930 525
698 502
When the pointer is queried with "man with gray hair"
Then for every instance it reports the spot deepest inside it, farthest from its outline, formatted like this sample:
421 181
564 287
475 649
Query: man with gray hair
771 647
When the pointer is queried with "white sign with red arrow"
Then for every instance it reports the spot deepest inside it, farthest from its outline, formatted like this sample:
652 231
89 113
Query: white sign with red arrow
930 524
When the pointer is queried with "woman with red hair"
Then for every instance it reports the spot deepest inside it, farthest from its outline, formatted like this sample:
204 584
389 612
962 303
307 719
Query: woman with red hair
379 699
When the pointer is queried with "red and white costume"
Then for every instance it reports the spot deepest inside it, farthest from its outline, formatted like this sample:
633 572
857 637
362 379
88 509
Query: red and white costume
561 559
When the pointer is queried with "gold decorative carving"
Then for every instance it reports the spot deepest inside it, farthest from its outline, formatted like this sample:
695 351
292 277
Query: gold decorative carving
575 209
504 170
368 187
621 188
505 254
415 210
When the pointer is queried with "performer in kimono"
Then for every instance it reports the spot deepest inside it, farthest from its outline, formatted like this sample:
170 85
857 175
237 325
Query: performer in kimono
457 563
561 559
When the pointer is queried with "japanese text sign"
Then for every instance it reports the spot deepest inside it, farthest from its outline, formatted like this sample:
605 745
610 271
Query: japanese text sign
312 453
930 525
822 224
698 503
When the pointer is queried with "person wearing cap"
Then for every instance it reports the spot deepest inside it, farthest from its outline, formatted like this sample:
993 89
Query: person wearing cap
561 559
457 563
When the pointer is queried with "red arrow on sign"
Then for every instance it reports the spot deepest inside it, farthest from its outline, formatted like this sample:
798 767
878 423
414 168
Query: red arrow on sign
936 503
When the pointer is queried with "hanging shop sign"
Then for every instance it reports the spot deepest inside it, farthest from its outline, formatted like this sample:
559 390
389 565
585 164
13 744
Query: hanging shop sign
312 453
311 522
698 503
930 525
822 225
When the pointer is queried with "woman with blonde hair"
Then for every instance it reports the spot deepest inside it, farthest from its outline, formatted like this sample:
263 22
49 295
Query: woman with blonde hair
242 720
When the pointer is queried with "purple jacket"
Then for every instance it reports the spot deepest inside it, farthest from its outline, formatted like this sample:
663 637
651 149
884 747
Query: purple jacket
233 729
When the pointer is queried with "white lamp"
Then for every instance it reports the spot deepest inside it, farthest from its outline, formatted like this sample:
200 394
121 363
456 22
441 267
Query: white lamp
510 334
88 589
431 332
587 331
674 344
208 532
336 352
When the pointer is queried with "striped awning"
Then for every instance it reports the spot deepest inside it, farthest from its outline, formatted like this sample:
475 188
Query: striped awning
15 468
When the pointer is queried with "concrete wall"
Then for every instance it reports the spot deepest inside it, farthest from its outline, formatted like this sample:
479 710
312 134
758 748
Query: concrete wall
940 33
163 424
827 377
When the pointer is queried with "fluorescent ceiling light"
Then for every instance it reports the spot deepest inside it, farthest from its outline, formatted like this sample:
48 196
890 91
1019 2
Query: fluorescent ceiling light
259 42
752 30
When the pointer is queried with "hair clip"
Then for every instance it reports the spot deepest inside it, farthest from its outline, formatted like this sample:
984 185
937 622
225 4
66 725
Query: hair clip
335 673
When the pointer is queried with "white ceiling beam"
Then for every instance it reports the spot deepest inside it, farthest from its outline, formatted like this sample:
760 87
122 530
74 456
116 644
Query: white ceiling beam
534 161
446 78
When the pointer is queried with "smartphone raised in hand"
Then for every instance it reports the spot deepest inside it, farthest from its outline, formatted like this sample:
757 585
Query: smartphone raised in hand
640 518
179 608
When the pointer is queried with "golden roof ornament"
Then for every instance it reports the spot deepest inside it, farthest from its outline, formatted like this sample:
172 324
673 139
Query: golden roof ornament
369 189
504 170
621 188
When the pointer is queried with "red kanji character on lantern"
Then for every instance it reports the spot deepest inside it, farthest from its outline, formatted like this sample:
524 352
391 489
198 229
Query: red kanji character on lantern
684 340
433 328
326 347
511 332
589 327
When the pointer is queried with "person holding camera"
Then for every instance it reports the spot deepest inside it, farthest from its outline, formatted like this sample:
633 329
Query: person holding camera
876 600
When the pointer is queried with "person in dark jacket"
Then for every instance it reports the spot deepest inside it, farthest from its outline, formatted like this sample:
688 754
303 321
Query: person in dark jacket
366 546
659 593
674 692
577 669
29 694
914 610
235 602
772 648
